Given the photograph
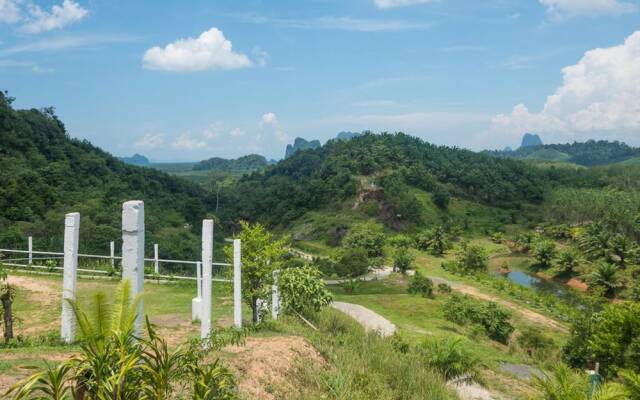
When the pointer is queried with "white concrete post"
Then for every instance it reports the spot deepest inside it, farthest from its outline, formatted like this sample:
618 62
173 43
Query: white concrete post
112 253
207 260
275 296
133 252
156 267
237 284
30 250
70 275
196 302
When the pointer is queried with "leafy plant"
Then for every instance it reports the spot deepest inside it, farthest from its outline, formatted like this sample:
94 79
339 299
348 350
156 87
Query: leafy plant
303 290
421 285
443 288
114 364
462 310
567 262
451 358
352 263
434 240
605 278
368 237
564 384
402 260
544 251
261 255
471 258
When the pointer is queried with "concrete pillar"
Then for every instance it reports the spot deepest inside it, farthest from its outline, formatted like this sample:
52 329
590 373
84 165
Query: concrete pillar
30 246
112 253
133 252
237 284
70 275
196 302
207 259
156 263
275 296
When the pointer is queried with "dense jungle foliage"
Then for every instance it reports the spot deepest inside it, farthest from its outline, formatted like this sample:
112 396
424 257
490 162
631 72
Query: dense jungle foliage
44 173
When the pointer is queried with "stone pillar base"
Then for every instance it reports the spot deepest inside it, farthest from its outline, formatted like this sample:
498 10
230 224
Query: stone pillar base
196 304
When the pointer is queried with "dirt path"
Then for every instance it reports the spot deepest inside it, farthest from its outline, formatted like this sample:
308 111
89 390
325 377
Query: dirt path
530 315
370 320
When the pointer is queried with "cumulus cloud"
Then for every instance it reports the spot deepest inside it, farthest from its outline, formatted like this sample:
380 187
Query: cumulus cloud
209 51
576 8
150 141
599 96
60 16
269 123
187 142
399 3
10 11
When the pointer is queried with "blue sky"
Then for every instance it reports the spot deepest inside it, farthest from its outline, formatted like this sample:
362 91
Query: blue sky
178 80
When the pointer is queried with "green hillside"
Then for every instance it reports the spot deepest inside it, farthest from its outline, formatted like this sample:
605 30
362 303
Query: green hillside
548 155
589 153
45 173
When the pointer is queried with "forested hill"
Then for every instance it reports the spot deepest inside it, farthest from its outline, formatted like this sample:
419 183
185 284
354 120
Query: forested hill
588 153
249 163
44 174
395 163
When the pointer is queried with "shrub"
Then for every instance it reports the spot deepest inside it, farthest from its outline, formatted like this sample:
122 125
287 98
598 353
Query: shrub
353 263
434 240
303 290
463 310
402 260
325 265
451 359
471 258
535 343
443 288
544 251
421 285
366 236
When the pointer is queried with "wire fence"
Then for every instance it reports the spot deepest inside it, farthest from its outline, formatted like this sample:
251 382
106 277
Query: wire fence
156 268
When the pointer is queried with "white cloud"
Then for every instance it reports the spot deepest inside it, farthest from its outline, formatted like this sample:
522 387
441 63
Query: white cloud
345 23
576 8
399 3
64 42
10 11
261 56
186 142
599 96
150 141
237 132
269 122
40 20
209 51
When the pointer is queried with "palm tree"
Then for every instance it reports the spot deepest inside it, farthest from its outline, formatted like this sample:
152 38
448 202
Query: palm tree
621 247
605 278
114 364
567 262
565 384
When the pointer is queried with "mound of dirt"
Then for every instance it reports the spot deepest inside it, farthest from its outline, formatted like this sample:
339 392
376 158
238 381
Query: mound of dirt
262 364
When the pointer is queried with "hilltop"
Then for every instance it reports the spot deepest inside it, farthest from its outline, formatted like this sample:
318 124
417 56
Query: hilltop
45 173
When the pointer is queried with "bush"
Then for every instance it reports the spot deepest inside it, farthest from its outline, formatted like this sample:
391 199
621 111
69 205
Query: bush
535 343
544 251
421 285
402 260
366 236
326 265
470 259
462 310
303 290
353 263
443 288
451 359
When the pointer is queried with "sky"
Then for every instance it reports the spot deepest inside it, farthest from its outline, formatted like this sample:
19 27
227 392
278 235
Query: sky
189 80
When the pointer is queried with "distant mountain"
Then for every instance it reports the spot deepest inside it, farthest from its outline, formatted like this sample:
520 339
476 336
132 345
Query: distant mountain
588 153
300 144
136 159
531 140
345 135
247 163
